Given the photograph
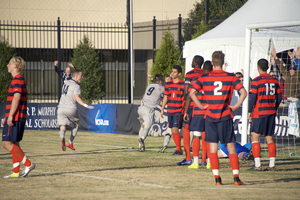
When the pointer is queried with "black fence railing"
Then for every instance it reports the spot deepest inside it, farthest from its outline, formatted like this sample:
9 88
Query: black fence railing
41 43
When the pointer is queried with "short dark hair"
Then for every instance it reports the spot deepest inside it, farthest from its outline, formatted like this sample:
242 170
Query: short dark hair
239 74
207 66
263 64
158 78
179 69
75 72
218 58
199 60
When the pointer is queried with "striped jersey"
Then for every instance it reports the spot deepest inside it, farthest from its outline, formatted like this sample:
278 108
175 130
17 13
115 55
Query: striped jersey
218 86
197 112
175 94
265 96
153 95
18 85
191 77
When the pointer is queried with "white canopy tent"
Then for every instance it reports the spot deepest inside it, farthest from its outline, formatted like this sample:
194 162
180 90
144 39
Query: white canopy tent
229 36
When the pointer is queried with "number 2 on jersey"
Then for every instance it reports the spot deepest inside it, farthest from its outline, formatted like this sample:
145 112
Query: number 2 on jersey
218 88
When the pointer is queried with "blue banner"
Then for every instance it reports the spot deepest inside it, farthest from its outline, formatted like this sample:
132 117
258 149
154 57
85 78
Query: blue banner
102 119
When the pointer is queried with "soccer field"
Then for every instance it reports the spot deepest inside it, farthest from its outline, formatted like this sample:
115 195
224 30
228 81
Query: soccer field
109 166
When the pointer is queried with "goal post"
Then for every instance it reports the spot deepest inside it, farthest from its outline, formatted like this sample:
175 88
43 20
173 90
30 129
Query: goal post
287 26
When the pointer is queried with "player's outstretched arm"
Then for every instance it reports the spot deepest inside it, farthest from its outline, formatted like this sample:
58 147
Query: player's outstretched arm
196 100
164 103
242 97
79 100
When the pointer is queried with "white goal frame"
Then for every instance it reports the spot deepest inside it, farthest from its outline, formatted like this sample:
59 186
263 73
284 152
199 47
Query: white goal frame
248 37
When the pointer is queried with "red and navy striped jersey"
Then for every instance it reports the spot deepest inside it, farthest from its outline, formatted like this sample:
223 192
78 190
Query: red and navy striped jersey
197 112
218 86
175 94
191 77
265 96
18 85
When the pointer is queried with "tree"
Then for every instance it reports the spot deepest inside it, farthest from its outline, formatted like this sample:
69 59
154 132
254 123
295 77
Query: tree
6 53
166 56
86 59
219 10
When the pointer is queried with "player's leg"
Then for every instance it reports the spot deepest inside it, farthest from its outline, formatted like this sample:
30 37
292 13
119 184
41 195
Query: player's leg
167 139
74 132
196 148
204 149
146 120
234 162
186 137
11 138
271 145
62 132
256 149
174 123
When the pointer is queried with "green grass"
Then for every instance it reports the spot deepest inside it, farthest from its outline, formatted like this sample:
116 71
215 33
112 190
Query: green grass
109 166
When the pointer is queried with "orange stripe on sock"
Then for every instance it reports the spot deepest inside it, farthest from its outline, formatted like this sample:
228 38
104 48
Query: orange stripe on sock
186 143
196 147
272 150
256 149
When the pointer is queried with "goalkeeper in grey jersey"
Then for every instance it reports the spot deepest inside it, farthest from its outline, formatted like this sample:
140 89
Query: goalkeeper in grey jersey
152 97
67 108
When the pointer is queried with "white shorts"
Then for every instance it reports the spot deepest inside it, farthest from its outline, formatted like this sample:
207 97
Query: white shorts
145 115
66 116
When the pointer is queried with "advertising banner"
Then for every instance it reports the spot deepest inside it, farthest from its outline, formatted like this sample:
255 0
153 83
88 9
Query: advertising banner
102 118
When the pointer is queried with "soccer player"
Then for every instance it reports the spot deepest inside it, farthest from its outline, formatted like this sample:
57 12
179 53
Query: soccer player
169 132
67 108
64 75
174 97
151 99
15 119
190 77
265 97
217 87
198 124
243 152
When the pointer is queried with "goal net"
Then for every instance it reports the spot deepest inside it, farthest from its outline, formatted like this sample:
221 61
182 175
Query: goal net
280 44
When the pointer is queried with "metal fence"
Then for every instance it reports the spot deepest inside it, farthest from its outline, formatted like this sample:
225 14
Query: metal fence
41 43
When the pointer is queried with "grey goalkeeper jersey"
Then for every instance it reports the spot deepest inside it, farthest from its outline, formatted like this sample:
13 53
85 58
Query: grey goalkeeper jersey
69 89
153 95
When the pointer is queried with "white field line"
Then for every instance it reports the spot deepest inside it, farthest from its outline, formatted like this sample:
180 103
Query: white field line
162 186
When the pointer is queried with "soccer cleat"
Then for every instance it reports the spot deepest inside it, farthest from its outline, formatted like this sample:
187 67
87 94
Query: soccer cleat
203 163
237 181
249 156
12 175
185 162
70 146
255 168
194 166
27 170
163 149
177 153
218 181
270 169
142 145
63 144
208 166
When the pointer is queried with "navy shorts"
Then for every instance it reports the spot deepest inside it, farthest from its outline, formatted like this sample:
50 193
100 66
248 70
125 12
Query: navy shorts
219 131
175 121
264 126
13 133
190 114
197 124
